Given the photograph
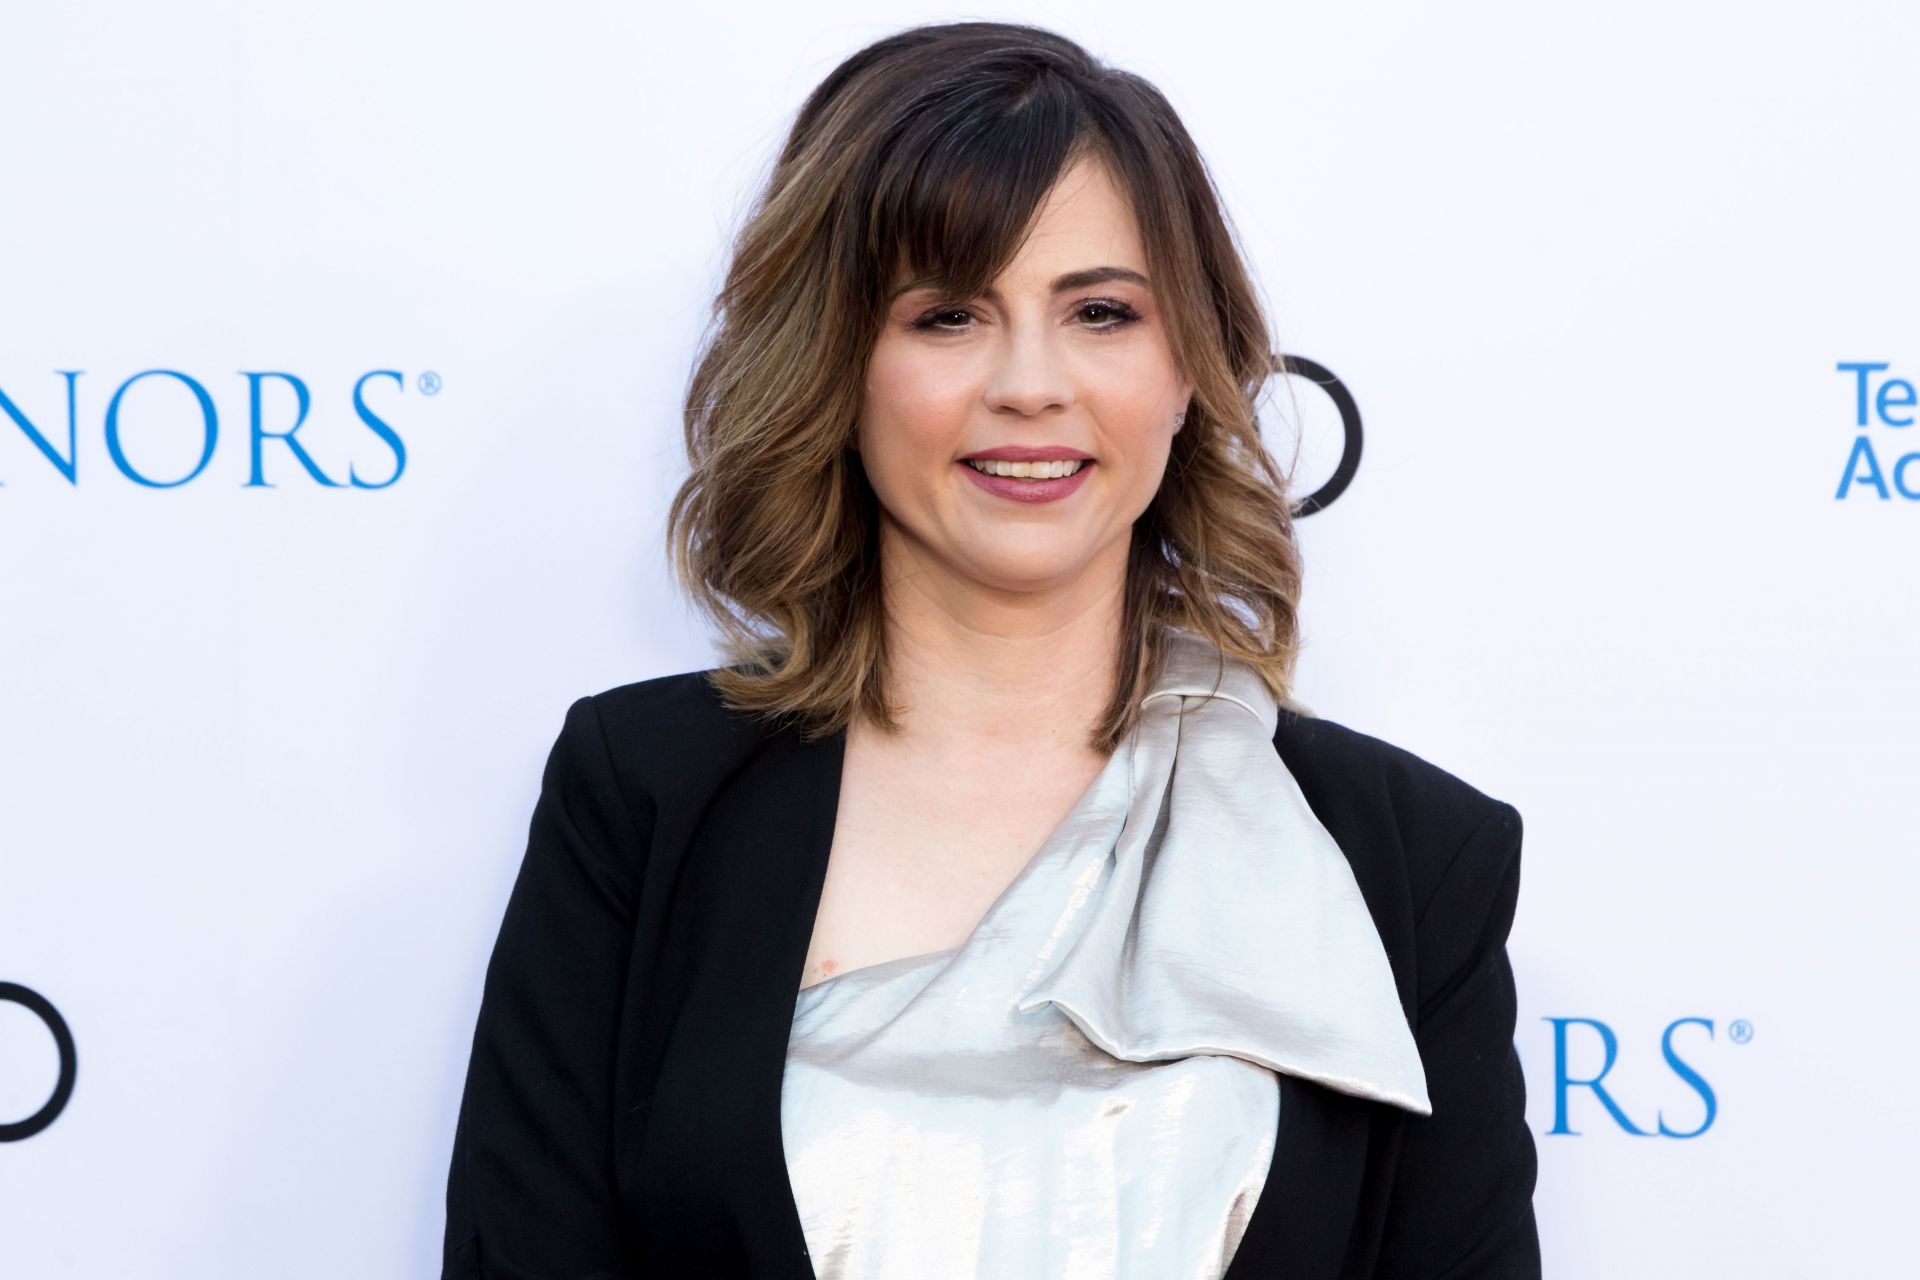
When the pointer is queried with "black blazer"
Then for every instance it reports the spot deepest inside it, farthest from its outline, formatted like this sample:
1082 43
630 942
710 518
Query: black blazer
621 1113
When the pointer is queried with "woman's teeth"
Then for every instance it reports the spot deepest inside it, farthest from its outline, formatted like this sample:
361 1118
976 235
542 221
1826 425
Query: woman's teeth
1027 470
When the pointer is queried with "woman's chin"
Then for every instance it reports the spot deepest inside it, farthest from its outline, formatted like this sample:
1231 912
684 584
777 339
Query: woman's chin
1038 569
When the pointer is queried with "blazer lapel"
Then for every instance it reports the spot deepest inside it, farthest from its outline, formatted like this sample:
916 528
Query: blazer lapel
1305 1214
707 1170
792 879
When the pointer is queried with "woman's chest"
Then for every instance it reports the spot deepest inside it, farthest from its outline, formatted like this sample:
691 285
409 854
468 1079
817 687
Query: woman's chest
897 889
919 855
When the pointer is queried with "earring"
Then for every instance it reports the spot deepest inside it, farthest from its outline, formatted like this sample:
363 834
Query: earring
1179 420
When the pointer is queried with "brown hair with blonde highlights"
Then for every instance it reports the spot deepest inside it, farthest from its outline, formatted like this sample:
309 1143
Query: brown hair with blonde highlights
932 149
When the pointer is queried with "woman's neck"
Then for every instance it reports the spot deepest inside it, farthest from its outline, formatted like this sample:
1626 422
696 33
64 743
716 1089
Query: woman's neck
970 665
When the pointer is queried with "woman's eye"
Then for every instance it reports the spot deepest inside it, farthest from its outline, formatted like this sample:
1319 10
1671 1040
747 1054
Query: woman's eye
1108 315
933 319
1122 313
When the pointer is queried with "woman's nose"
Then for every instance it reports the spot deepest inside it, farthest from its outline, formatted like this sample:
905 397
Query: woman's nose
1029 372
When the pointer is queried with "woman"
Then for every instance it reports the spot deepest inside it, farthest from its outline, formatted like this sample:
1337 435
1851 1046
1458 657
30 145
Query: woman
989 914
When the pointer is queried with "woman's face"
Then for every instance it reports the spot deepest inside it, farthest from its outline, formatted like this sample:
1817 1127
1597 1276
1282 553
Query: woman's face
1068 361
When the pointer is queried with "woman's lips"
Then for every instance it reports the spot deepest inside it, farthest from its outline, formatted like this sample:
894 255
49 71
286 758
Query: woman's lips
1027 490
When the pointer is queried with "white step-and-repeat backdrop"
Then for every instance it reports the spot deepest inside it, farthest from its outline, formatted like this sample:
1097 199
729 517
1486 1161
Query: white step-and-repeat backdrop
1625 298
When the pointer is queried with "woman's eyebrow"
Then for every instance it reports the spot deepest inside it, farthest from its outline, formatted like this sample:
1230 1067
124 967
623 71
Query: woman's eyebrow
1061 284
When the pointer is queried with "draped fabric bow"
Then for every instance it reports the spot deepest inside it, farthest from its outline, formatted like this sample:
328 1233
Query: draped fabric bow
1226 920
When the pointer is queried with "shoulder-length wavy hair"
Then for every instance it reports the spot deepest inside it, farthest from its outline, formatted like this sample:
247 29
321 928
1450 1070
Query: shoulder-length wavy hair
931 150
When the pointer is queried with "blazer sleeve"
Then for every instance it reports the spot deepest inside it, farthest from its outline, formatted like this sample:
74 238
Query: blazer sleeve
530 1193
1461 1207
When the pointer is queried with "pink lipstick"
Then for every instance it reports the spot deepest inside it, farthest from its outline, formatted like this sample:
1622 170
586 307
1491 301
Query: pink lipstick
1021 489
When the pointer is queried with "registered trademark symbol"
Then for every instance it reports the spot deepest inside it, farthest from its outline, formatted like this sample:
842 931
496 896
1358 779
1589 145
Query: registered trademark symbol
429 383
1740 1031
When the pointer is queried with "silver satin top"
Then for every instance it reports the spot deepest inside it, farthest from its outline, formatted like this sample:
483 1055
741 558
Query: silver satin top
1085 1087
